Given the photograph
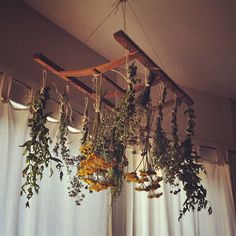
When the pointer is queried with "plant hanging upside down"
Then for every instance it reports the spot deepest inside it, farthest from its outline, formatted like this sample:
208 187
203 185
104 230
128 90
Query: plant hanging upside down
36 150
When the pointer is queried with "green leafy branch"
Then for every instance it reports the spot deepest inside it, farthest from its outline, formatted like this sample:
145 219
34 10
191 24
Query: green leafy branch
161 143
190 169
174 157
62 137
36 149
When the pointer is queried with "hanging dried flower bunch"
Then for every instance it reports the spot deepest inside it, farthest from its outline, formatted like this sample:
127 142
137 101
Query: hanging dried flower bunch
62 136
189 171
36 149
161 143
94 165
103 156
176 160
147 177
76 183
102 163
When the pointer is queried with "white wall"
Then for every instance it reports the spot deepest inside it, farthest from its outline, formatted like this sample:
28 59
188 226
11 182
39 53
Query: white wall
214 120
24 32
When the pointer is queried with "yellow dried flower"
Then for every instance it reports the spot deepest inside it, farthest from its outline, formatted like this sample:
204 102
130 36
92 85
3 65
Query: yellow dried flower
132 177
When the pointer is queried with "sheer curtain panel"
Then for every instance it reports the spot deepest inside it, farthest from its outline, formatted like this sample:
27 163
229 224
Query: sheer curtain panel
134 214
52 211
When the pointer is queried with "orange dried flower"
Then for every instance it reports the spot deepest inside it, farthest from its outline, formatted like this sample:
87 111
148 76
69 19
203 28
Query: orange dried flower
132 177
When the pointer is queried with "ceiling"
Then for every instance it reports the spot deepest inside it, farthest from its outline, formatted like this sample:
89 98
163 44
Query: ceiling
194 40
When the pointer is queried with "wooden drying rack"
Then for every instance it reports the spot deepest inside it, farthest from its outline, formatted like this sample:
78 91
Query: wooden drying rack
135 52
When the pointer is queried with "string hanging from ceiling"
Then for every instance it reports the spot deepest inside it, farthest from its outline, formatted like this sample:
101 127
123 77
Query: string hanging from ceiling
102 163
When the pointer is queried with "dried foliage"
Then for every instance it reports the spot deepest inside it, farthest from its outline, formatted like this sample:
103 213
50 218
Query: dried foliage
62 136
103 156
102 161
189 172
144 98
172 166
36 149
161 143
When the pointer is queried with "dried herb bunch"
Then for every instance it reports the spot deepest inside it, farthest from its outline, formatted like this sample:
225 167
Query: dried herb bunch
190 169
36 149
94 165
103 156
161 143
85 123
102 163
147 177
174 158
144 98
76 189
62 136
123 122
76 182
177 160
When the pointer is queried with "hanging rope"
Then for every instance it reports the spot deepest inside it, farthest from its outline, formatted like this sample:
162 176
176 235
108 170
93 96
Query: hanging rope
125 51
123 76
114 10
44 78
124 16
69 109
145 34
146 82
97 81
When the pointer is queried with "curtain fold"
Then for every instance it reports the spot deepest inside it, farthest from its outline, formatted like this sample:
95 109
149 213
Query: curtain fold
52 211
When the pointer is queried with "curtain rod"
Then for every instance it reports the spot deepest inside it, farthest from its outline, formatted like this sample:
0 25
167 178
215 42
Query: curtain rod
28 87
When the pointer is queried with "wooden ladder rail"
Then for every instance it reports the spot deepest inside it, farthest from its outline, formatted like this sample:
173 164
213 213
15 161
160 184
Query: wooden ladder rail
134 52
144 59
56 69
100 68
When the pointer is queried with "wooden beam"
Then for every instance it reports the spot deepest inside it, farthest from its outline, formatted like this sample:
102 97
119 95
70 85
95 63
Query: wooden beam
144 59
56 69
101 68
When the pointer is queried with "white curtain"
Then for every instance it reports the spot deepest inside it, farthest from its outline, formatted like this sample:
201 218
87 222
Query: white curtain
52 211
134 214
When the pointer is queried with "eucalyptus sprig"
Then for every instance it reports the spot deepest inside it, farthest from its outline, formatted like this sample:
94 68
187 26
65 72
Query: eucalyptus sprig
36 149
190 169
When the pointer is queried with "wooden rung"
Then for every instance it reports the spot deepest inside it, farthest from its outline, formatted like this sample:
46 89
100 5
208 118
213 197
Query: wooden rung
137 88
55 69
115 85
101 68
144 59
